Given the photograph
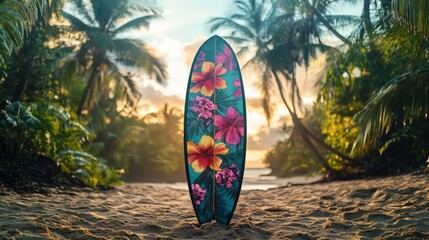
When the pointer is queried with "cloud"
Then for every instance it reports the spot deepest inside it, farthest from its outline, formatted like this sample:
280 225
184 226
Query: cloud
284 119
265 138
153 99
254 104
190 49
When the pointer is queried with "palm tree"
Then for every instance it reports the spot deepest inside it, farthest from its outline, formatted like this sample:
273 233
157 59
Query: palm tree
277 39
250 32
17 19
403 98
316 13
103 50
20 22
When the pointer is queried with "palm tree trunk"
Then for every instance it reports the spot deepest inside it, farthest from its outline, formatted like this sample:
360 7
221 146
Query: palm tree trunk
367 18
89 85
327 146
314 150
329 26
24 78
298 122
301 127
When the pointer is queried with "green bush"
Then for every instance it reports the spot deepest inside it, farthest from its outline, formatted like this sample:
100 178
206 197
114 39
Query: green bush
44 130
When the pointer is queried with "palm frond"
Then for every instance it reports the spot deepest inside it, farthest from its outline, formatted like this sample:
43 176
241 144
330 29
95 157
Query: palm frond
82 9
13 25
221 22
413 13
126 88
401 100
286 5
16 19
134 52
78 24
131 85
129 10
104 11
340 21
135 24
244 6
266 86
237 40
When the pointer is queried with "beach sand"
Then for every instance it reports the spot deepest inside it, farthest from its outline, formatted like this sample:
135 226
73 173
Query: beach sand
386 208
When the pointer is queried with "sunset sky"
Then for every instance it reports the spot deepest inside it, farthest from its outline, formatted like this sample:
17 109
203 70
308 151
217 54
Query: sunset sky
176 38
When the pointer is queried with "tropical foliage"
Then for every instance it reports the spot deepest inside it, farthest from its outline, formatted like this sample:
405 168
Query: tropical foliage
41 138
393 104
42 130
373 96
18 18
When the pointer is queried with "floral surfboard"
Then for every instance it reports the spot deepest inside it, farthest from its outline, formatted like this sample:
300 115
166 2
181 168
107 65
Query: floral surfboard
215 131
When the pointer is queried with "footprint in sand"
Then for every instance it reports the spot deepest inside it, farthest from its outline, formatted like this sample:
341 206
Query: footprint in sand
377 217
363 193
353 215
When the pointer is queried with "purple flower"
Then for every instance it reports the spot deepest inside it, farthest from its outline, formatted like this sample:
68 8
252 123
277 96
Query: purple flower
200 59
227 176
226 58
198 193
238 92
204 108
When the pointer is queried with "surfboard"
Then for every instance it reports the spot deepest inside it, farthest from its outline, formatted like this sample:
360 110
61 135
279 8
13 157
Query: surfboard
215 131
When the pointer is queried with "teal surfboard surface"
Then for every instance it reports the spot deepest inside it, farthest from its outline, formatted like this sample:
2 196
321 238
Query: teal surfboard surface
215 131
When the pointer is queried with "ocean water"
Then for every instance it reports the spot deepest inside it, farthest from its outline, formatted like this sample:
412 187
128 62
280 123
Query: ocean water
254 179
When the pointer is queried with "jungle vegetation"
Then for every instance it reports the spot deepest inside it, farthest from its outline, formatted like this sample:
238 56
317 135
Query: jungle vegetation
371 113
69 107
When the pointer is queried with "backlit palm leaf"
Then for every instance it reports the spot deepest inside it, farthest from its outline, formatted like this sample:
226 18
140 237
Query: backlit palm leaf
135 24
135 53
16 20
82 9
405 97
239 29
401 100
78 24
413 13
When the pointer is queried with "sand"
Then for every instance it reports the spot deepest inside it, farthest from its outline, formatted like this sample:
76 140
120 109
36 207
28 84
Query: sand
386 208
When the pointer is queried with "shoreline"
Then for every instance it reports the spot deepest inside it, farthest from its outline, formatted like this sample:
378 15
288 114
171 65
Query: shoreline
249 184
387 208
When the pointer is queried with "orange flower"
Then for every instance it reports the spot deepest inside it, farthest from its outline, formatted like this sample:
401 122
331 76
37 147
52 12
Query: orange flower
205 80
205 154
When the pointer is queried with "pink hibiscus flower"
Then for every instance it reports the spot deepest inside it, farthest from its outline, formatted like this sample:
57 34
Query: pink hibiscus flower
238 92
226 58
230 127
